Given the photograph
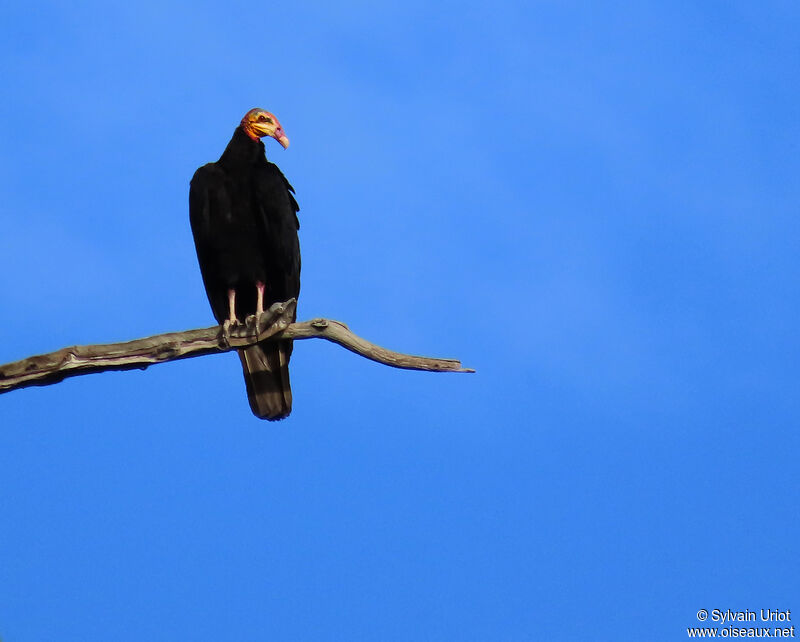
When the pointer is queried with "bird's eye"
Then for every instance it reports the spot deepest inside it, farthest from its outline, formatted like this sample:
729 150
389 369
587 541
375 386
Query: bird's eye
264 119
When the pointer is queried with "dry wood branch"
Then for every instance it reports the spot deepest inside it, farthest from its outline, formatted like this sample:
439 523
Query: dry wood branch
275 323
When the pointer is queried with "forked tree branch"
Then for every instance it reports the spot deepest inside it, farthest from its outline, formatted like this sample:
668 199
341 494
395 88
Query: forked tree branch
272 325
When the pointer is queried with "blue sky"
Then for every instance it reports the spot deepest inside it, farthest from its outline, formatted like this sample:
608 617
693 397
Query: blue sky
594 205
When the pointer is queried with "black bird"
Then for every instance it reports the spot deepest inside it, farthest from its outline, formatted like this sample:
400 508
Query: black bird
244 221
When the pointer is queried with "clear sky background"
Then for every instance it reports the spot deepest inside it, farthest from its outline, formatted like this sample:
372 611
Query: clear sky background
593 204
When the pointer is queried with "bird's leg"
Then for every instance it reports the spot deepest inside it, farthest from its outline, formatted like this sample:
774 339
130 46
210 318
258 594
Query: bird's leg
231 320
260 299
259 305
232 307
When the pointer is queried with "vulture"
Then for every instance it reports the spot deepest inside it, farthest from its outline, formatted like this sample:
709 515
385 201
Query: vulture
243 215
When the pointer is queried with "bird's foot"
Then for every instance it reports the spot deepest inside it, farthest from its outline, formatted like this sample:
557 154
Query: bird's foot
229 324
225 334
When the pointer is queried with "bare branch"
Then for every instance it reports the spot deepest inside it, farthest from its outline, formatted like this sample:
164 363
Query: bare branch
274 324
338 332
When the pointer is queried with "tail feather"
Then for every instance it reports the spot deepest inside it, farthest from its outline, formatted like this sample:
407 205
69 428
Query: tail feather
266 376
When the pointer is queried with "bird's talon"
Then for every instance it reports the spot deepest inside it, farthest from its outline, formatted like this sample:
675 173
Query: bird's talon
225 334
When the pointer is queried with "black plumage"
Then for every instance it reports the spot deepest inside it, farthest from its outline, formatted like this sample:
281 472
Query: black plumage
244 221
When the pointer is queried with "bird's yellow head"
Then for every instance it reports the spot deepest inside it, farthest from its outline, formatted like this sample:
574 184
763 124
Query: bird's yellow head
258 123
